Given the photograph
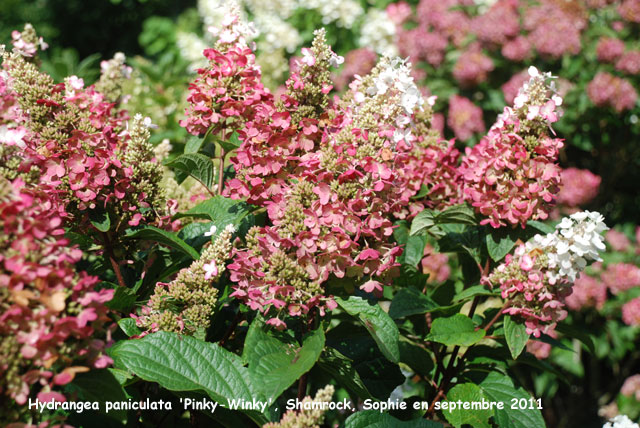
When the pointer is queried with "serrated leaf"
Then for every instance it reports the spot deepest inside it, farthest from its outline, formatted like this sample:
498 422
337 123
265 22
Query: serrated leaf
410 301
467 393
456 330
182 363
497 387
223 211
500 242
165 237
231 143
197 165
129 327
516 336
100 219
376 419
424 220
275 364
193 144
340 368
457 214
381 327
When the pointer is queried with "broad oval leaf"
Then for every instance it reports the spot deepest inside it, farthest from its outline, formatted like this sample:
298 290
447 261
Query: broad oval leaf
467 393
223 211
379 324
456 330
516 336
275 364
183 363
197 165
410 301
165 237
497 387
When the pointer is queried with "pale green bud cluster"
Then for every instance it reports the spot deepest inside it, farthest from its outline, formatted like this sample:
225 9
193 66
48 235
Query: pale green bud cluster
311 414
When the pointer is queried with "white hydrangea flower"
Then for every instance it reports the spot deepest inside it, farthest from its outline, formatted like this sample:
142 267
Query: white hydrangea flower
378 33
13 137
621 421
212 231
343 12
578 240
191 47
230 228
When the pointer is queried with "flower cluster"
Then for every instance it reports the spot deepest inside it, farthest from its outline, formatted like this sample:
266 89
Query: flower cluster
511 175
464 118
579 187
329 173
52 321
227 90
473 67
607 90
75 146
311 413
537 278
621 421
186 304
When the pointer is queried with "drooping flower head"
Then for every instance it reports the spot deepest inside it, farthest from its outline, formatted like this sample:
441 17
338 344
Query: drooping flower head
511 176
537 278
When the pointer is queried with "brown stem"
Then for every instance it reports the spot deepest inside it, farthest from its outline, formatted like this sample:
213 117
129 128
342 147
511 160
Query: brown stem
495 318
432 406
221 171
112 259
302 386
231 329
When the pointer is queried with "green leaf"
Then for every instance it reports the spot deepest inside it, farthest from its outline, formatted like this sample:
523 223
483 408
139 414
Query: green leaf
516 336
182 363
414 250
582 336
376 419
457 214
415 357
128 325
410 301
379 375
167 238
197 165
467 241
274 363
424 191
424 220
542 227
123 299
381 327
232 143
101 386
223 211
500 242
476 290
456 330
340 368
193 144
497 387
466 393
100 219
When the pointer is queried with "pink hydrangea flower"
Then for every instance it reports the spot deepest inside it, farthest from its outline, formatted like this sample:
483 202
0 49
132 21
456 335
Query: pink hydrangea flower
609 49
579 187
617 240
464 118
621 276
631 312
587 292
606 90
